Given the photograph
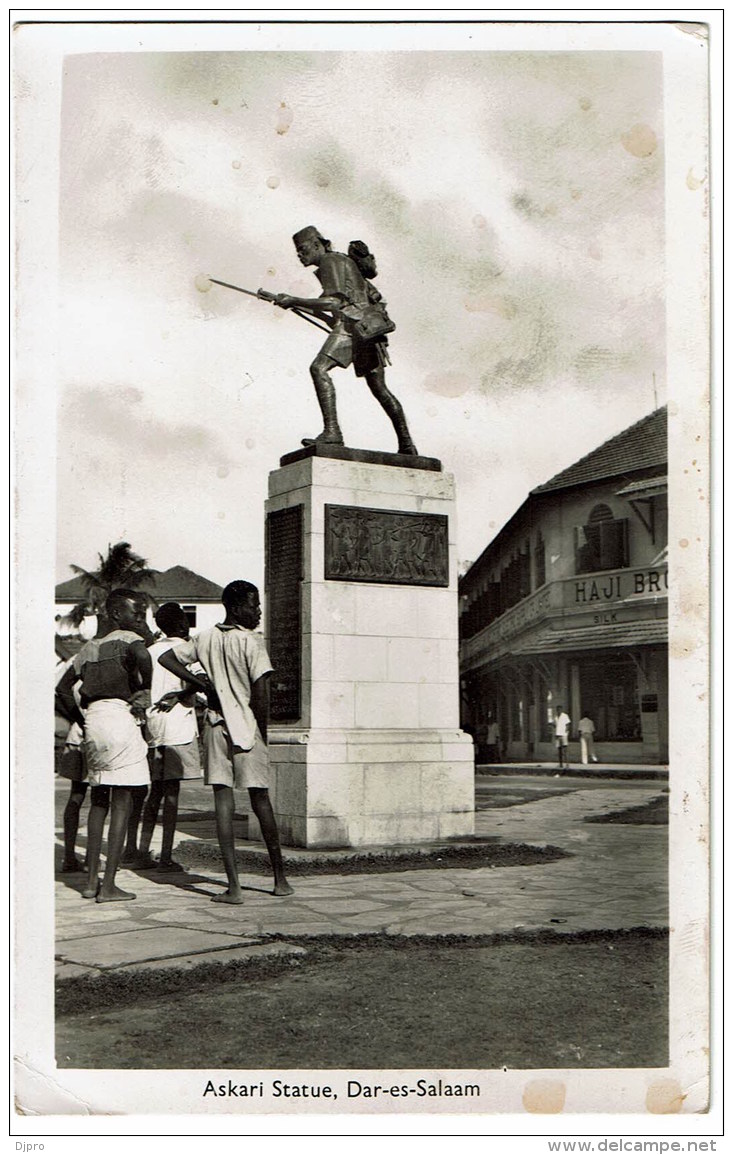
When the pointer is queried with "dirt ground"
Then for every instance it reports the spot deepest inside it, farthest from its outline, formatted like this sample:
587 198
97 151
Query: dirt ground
583 1001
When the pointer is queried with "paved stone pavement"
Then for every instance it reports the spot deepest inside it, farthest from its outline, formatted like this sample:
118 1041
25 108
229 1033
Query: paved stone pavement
615 879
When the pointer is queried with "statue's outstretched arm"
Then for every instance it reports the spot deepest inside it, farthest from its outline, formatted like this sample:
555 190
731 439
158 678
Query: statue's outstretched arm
317 305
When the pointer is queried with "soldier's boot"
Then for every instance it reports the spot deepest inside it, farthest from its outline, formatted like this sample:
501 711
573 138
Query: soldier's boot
405 444
395 412
326 394
325 438
393 409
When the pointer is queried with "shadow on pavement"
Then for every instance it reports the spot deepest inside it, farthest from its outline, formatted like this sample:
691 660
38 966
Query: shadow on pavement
76 880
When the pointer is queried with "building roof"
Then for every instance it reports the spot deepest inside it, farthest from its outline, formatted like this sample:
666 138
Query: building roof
619 635
641 446
647 487
176 584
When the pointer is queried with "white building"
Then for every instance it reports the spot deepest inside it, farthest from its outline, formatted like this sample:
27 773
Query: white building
568 605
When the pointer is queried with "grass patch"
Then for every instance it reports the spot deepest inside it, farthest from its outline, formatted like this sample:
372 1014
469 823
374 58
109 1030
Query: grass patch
499 797
652 813
523 1001
482 853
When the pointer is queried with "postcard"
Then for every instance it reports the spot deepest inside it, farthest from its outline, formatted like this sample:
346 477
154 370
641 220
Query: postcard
379 799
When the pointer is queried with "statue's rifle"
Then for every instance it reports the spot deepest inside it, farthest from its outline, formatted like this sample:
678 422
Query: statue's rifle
263 295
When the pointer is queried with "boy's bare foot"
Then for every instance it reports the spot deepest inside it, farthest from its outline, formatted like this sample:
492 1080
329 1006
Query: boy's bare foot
90 891
170 866
71 866
115 895
282 888
232 899
143 860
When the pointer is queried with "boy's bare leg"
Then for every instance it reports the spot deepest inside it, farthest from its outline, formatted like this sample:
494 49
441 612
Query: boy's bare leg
171 790
224 805
150 817
95 829
118 819
137 796
259 796
72 811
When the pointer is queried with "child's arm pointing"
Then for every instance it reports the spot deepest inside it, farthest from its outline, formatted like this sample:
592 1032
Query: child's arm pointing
169 661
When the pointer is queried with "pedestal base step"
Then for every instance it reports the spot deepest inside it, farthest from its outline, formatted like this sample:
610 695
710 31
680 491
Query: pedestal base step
349 788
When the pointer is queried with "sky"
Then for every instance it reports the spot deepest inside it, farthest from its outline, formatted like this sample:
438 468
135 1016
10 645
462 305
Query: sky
514 202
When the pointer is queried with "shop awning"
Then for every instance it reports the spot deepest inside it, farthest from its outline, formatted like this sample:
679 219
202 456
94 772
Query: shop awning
620 635
648 487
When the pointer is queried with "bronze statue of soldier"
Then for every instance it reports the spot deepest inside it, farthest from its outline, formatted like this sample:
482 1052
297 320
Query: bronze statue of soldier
348 298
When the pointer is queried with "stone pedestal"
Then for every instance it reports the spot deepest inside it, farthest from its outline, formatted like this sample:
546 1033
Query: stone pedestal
362 628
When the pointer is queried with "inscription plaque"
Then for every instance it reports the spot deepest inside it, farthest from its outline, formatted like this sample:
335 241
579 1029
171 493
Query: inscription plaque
284 573
385 546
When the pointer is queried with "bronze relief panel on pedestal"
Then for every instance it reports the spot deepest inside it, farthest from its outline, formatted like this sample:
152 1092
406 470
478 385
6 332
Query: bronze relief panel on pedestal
385 546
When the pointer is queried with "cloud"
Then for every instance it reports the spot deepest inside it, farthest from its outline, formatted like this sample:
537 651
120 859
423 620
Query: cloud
526 207
115 414
515 207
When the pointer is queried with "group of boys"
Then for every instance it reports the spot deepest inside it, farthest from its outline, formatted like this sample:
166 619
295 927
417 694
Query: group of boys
134 734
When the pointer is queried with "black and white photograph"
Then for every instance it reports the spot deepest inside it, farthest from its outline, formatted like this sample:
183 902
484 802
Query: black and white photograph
369 775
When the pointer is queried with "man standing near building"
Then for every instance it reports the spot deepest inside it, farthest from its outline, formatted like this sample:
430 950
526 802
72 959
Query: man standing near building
492 740
562 728
586 730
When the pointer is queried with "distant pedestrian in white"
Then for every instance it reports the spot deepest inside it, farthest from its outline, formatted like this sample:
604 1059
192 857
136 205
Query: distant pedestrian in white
562 728
492 741
586 730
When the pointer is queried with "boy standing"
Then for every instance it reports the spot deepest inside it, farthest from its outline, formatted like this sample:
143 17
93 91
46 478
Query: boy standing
72 766
114 672
173 752
236 685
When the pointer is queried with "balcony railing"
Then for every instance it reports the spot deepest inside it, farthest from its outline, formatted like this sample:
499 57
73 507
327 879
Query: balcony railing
571 595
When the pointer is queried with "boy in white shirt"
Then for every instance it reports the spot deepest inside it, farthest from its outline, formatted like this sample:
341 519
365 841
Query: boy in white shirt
236 685
173 752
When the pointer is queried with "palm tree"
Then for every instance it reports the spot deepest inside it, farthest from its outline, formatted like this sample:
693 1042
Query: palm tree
120 569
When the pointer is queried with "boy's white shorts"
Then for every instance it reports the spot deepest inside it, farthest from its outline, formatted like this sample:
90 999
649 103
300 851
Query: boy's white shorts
116 752
175 763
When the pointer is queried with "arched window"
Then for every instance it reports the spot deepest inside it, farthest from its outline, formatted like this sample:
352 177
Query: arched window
600 513
603 542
